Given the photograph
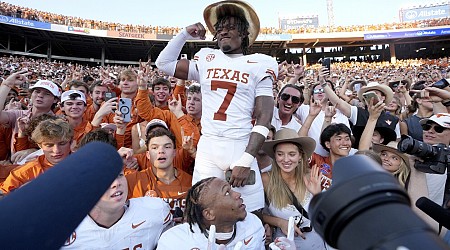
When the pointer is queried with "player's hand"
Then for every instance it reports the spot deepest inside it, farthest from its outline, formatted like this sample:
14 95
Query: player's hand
239 176
268 232
197 31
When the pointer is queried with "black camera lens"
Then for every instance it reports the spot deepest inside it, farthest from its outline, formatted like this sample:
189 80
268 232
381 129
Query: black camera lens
348 214
411 146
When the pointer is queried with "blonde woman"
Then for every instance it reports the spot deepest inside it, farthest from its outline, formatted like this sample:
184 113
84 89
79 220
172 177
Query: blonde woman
394 161
289 187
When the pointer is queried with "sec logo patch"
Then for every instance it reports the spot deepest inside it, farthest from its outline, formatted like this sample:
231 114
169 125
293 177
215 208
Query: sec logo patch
71 239
210 57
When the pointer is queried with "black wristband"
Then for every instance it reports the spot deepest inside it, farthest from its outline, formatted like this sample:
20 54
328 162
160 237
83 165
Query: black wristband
446 104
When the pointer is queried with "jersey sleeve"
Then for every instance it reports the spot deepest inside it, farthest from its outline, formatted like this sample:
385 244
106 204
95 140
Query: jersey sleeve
266 76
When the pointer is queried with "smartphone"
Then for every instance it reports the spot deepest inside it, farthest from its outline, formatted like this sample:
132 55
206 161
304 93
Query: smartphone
357 87
125 109
109 95
25 85
371 95
394 85
443 83
250 181
310 72
327 63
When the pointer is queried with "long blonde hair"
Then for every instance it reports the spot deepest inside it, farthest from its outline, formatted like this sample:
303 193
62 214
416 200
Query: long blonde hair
402 173
278 192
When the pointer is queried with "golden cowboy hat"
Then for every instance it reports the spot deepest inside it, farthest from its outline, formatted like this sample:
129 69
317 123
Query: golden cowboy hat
215 11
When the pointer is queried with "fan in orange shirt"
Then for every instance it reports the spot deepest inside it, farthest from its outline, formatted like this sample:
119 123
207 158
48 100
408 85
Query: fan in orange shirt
162 179
54 137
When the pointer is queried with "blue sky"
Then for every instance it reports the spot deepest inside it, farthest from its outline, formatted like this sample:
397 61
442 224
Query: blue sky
182 13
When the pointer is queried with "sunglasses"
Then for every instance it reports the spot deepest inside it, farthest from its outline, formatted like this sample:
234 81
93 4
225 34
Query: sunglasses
318 91
285 97
437 128
299 221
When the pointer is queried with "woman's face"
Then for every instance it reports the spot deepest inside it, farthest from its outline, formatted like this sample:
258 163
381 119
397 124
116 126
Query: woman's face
392 106
287 156
390 161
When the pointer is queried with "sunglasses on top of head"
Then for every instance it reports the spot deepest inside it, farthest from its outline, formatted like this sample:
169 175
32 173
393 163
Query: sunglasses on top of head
318 91
437 128
285 97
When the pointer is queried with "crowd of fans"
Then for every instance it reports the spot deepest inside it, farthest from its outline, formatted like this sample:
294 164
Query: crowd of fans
235 154
42 16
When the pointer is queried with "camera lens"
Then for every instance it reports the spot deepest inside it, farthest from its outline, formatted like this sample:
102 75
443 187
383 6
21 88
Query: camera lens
348 214
124 110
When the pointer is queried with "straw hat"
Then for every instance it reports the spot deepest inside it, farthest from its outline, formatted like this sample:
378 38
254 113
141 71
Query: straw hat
386 90
391 147
215 11
307 144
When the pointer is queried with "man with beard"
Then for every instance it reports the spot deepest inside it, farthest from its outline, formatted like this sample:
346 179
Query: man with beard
236 86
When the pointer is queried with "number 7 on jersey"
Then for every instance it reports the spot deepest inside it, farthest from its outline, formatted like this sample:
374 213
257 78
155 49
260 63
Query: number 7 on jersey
231 89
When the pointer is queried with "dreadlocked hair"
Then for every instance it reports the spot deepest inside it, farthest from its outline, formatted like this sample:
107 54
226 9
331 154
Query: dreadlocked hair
193 214
242 26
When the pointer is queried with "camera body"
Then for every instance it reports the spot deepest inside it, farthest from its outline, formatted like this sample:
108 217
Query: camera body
435 158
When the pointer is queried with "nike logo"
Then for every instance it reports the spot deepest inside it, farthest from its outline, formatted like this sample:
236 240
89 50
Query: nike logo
137 225
181 193
248 61
248 241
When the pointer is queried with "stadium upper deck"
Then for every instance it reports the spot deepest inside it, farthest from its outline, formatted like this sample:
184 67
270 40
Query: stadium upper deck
27 30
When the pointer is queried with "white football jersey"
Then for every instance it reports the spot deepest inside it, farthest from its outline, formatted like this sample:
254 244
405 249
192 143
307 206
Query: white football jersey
139 228
250 232
229 88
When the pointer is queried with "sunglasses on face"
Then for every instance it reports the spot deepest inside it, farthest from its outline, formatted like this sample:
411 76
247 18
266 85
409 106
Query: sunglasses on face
285 97
318 91
437 128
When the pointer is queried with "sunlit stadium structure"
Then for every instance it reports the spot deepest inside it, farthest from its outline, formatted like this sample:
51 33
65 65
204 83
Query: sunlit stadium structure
428 38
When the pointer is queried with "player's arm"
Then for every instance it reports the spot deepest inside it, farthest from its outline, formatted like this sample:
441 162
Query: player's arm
167 60
263 113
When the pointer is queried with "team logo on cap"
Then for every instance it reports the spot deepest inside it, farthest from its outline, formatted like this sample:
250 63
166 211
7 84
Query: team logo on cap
210 57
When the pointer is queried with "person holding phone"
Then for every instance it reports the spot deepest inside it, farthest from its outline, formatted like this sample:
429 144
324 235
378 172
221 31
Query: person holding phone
358 115
236 87
289 187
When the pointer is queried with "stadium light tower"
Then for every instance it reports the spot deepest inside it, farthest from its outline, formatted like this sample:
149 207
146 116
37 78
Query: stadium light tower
330 13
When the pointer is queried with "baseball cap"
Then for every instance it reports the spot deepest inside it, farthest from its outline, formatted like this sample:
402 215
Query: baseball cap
68 95
48 85
155 123
443 119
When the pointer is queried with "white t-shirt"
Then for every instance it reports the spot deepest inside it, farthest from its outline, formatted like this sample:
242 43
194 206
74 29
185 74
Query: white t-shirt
278 124
316 126
229 88
249 231
139 228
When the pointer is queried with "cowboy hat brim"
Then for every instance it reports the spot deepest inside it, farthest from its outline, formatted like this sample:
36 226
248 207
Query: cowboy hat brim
215 11
386 90
307 144
380 147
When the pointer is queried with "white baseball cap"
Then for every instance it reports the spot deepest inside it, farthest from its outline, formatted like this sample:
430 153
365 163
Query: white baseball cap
443 119
155 123
48 85
67 96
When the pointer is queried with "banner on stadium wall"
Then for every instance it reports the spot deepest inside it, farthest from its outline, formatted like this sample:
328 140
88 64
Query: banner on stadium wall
130 35
424 13
78 30
24 22
407 34
299 22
